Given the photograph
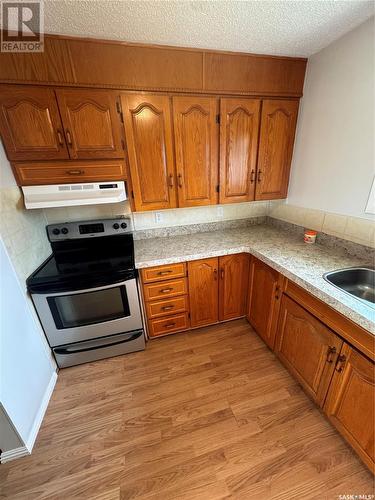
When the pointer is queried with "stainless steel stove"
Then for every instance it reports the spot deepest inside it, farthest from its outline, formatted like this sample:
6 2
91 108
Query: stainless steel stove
86 292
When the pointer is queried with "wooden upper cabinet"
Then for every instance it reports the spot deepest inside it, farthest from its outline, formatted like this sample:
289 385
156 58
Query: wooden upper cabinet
196 146
203 291
150 148
239 128
307 347
30 124
92 124
350 404
265 286
234 278
277 131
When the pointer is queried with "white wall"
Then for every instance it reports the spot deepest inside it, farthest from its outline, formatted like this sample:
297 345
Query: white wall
333 166
27 370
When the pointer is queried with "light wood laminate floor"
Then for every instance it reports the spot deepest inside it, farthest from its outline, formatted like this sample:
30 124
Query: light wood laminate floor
206 415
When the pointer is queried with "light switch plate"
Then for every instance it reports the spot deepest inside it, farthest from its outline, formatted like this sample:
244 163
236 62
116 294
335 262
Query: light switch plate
159 217
220 211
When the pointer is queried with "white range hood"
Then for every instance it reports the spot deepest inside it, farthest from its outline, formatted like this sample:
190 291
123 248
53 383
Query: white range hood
68 195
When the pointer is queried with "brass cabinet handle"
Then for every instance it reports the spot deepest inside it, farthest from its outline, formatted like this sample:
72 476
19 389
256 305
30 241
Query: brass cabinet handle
166 308
179 180
171 180
259 178
277 289
68 137
166 290
340 363
215 274
169 325
162 273
75 172
60 137
331 351
252 176
222 273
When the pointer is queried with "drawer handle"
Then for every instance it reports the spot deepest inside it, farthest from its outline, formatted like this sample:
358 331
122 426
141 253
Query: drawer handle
162 273
340 363
330 354
166 290
167 308
75 172
169 325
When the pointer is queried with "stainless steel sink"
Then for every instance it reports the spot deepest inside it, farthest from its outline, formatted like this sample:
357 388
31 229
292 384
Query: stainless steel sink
357 281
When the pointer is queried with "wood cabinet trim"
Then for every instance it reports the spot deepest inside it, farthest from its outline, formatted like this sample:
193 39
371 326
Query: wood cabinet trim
354 334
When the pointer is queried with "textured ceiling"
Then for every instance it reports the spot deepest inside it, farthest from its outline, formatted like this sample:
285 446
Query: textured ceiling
281 27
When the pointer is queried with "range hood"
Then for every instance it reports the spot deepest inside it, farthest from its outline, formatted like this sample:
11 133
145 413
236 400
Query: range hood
69 195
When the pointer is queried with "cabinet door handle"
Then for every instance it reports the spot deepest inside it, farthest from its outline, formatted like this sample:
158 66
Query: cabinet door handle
162 273
340 363
68 137
252 176
166 290
331 351
60 137
179 180
171 180
215 274
259 178
222 273
277 289
75 172
167 308
169 325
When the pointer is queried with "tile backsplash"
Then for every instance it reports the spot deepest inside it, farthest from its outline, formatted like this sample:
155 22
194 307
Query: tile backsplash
354 229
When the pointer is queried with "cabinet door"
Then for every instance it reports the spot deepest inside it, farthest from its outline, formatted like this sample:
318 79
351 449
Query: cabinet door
196 145
264 300
350 404
91 122
203 291
277 130
149 140
307 347
30 124
239 127
234 279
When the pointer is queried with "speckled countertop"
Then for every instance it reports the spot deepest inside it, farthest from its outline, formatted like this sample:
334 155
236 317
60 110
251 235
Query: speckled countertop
301 263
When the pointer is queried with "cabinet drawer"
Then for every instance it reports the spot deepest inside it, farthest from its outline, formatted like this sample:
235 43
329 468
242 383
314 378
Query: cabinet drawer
166 289
159 273
171 324
28 174
167 307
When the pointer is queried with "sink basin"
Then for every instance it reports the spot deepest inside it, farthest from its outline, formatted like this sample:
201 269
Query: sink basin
357 281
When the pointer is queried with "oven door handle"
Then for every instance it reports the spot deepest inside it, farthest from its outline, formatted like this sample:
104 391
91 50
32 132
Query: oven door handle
71 350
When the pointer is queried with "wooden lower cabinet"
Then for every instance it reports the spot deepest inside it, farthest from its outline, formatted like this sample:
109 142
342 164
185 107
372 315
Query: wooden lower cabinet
265 288
350 404
307 348
203 291
234 276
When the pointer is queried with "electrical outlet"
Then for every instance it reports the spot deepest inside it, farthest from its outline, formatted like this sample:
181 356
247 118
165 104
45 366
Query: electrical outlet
158 217
220 211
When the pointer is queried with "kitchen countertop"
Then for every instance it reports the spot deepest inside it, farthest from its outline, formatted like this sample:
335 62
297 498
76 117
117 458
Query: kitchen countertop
303 264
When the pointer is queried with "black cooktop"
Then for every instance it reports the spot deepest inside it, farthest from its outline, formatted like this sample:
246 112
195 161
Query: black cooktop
84 261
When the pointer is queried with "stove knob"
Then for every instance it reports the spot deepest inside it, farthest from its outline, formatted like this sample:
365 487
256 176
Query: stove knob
65 230
115 226
56 231
124 225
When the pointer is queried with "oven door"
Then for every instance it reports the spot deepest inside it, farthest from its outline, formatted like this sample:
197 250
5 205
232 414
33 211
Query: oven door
89 313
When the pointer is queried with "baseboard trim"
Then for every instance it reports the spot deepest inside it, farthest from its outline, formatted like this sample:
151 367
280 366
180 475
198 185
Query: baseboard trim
42 410
7 456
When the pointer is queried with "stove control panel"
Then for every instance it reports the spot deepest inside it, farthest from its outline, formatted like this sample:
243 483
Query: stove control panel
88 229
